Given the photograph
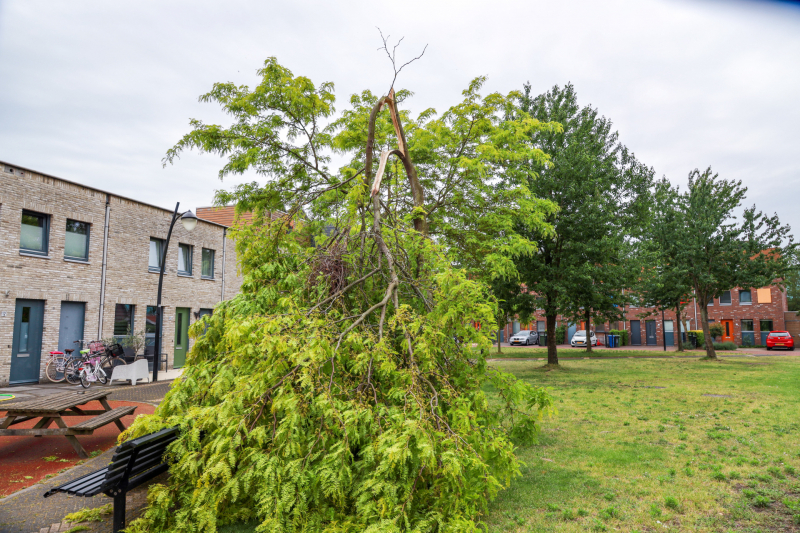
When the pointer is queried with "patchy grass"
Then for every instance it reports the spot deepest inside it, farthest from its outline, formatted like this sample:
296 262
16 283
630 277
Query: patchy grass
636 446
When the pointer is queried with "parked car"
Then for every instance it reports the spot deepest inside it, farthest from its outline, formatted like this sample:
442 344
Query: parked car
780 339
579 339
526 337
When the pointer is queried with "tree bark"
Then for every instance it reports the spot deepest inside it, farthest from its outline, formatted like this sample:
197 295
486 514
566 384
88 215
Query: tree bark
710 352
588 316
678 316
552 353
499 331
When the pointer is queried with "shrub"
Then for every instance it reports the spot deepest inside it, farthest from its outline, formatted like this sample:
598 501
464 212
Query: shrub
623 336
700 337
715 330
561 334
725 345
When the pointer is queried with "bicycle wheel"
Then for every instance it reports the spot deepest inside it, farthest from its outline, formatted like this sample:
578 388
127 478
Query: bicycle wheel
101 375
108 363
54 370
85 383
72 372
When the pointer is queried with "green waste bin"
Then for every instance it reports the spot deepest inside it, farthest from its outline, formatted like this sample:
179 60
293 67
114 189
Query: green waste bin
542 339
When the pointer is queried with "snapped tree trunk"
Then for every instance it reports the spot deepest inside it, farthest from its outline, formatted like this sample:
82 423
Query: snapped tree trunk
678 316
710 352
552 353
588 316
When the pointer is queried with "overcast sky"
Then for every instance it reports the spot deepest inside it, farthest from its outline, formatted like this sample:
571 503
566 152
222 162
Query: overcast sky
96 92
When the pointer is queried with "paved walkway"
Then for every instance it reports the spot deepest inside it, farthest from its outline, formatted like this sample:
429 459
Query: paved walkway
27 512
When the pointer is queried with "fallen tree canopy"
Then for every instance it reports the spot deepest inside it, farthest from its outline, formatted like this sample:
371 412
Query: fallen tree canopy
344 388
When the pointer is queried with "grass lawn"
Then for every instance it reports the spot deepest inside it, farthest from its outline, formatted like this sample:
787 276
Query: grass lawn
600 351
636 446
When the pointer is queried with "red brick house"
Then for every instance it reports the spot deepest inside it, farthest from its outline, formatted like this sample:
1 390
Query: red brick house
746 315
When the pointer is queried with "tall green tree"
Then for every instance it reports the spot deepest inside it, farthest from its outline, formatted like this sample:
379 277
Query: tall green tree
602 193
663 282
722 248
340 390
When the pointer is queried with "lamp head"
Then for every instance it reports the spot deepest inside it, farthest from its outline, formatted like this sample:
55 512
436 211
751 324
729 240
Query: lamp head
189 220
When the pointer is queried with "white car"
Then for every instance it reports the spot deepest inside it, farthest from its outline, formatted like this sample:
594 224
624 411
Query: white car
579 339
526 337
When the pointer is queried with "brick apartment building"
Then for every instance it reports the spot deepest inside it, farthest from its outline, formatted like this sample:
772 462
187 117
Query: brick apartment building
746 315
77 262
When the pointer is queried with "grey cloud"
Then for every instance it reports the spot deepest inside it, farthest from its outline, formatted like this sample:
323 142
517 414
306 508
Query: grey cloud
98 91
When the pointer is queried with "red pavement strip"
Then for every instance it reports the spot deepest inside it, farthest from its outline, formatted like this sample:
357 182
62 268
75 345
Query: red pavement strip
24 457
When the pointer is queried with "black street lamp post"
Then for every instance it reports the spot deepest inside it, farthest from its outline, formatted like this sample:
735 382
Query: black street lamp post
189 221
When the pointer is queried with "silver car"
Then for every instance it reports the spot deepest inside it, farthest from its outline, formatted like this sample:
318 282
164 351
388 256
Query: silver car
526 337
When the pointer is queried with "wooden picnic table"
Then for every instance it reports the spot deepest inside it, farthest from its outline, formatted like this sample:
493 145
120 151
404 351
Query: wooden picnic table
53 408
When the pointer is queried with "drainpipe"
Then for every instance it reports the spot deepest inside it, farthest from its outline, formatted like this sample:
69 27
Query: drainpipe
103 271
224 240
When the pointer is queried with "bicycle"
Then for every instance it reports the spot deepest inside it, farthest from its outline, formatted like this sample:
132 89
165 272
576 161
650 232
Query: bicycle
91 371
75 365
56 366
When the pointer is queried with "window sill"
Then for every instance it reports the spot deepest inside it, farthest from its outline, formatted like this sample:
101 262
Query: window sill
79 261
30 254
155 270
184 275
207 278
725 305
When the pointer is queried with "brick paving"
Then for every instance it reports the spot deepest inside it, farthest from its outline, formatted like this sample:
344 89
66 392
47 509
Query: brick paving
27 511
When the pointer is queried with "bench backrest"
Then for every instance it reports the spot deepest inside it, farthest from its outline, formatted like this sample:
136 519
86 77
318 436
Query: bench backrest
135 457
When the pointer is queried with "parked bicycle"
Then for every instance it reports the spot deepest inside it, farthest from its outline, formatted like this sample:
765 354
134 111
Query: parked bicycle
56 366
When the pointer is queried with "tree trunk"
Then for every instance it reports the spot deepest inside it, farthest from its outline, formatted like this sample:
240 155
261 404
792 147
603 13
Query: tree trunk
499 331
710 352
588 316
678 316
552 353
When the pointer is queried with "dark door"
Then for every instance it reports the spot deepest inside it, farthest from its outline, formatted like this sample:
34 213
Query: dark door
181 336
650 326
26 352
636 333
70 328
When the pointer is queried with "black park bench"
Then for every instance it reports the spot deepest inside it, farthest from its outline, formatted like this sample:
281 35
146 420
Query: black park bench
135 462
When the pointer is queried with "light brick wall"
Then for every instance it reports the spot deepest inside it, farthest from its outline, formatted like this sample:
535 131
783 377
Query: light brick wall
131 224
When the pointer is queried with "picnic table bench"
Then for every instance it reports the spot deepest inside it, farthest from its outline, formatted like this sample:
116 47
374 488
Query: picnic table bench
134 462
53 408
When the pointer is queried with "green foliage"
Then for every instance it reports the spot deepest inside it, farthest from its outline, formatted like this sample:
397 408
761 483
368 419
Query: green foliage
623 335
715 330
720 248
343 389
89 515
671 502
601 191
728 345
700 337
561 333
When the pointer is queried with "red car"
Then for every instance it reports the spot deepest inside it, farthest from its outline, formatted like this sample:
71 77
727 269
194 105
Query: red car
780 339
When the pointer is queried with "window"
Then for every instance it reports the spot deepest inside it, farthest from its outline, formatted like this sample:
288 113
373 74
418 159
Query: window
184 259
123 320
600 328
208 264
76 241
725 298
766 325
764 295
541 326
156 247
711 302
748 334
24 330
34 233
745 297
150 331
